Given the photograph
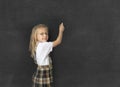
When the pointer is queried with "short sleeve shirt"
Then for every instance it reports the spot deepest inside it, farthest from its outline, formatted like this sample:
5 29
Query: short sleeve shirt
42 52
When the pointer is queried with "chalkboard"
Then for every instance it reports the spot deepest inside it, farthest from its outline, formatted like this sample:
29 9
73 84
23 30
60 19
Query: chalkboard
89 54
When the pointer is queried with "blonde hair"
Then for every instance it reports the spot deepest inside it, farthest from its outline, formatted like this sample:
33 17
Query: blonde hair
33 38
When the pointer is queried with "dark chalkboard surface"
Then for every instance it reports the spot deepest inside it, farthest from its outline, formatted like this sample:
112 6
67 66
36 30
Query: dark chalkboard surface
89 54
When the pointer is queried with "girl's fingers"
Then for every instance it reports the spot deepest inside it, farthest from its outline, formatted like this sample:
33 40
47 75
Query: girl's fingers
62 24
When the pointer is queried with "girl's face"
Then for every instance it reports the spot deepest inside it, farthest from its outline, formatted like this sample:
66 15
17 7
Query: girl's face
42 34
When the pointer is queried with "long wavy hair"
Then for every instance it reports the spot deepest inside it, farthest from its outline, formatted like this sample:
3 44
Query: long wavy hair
33 38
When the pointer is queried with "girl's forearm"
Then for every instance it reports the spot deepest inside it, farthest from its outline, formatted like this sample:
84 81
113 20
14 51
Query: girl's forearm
60 35
59 39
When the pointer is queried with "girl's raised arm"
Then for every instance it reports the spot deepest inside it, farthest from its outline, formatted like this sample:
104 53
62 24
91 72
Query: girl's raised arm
60 35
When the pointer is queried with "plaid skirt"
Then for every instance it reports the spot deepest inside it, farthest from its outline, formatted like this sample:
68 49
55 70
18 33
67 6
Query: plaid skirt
43 76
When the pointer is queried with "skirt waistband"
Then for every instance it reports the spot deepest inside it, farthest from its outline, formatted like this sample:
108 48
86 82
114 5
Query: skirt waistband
44 66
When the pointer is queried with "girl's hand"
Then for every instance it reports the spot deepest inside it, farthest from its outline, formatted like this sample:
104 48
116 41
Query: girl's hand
61 27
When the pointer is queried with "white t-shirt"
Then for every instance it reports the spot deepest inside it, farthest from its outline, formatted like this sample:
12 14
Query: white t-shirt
42 53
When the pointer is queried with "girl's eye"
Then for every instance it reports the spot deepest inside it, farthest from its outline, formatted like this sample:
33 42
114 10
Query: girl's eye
46 33
43 33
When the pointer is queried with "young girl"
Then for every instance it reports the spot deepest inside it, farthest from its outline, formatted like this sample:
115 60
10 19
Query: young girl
40 49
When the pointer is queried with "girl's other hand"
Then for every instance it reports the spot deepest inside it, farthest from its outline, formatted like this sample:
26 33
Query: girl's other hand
61 27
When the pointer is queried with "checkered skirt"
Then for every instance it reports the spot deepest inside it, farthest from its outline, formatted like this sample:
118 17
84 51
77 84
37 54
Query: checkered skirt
42 77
